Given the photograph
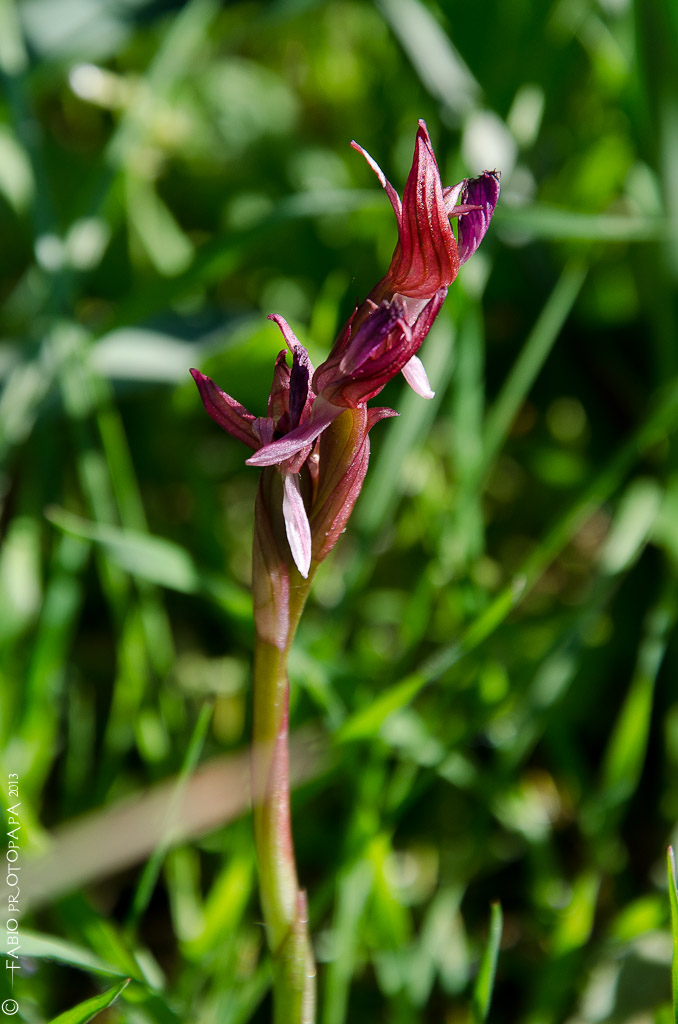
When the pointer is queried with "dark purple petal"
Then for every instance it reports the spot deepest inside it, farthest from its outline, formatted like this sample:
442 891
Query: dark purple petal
224 410
301 395
371 335
285 447
484 193
279 397
380 353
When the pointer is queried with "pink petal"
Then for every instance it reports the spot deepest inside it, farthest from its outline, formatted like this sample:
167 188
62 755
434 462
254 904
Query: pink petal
379 412
296 523
425 258
224 410
285 447
385 183
451 195
415 375
288 334
279 398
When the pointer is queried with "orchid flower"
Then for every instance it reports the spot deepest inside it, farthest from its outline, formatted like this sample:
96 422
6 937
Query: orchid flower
385 332
289 406
380 339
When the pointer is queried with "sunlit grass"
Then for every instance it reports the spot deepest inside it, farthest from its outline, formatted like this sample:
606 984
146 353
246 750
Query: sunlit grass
488 660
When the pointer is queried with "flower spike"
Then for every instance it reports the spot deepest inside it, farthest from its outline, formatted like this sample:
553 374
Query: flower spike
313 446
381 338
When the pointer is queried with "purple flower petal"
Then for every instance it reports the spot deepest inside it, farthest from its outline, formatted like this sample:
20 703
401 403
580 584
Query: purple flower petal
285 447
279 397
484 193
300 386
288 334
300 392
264 428
371 335
415 375
296 523
224 410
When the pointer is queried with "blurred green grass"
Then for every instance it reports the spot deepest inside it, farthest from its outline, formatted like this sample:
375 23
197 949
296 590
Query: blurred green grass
489 656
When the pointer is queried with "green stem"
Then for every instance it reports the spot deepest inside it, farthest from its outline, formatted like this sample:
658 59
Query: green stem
279 597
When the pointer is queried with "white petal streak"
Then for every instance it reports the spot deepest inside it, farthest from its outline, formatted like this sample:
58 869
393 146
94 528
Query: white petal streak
296 523
414 373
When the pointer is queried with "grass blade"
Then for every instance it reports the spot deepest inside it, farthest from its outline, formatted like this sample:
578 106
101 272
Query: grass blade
150 874
49 947
625 755
660 423
482 991
91 1007
531 359
156 560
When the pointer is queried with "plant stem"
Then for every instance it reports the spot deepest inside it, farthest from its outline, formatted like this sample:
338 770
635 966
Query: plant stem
279 596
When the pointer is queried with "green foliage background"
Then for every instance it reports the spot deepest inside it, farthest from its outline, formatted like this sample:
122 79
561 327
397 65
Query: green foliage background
488 662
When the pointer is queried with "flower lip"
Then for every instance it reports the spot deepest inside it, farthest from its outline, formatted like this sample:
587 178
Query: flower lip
480 196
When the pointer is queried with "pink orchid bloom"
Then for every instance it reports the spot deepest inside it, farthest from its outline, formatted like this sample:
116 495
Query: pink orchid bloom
295 411
381 339
385 332
427 256
289 406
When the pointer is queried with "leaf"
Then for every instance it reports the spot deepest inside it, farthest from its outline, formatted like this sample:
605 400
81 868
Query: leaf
482 991
540 220
49 947
532 357
626 751
149 877
83 1012
155 559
